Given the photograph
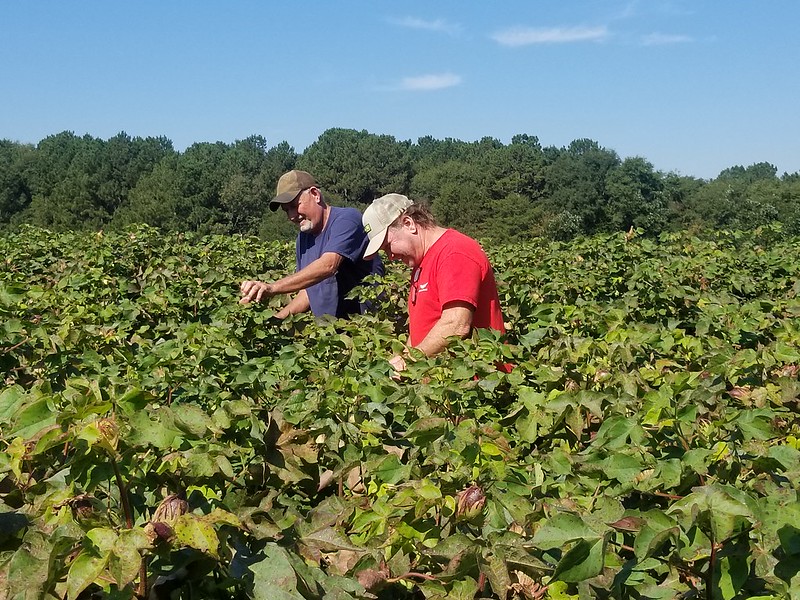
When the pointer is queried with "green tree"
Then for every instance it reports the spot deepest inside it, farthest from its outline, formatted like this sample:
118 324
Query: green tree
212 187
487 189
355 167
246 185
727 204
64 184
574 182
15 193
157 199
678 192
79 182
120 162
755 172
635 197
429 152
511 219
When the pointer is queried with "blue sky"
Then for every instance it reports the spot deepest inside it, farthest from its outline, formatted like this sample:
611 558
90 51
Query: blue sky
693 86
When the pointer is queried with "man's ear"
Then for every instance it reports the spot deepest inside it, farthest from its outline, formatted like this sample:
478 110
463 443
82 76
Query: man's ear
409 224
314 191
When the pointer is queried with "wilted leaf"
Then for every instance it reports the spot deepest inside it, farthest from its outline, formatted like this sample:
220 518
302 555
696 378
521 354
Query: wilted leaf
195 532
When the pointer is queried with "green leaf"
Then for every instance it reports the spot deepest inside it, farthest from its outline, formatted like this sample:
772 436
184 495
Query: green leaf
731 574
622 467
527 425
723 507
153 432
785 353
756 425
560 530
390 470
494 566
617 432
85 570
584 560
490 449
192 419
520 509
201 464
103 538
133 401
126 558
32 419
27 574
463 589
450 546
11 400
329 539
274 578
428 490
424 431
658 527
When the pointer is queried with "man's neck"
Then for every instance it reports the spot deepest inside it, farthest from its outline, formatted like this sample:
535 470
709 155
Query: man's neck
430 237
325 215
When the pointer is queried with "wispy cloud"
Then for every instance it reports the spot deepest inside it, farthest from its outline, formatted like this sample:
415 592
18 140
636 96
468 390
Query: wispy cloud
663 39
437 25
426 83
526 36
628 10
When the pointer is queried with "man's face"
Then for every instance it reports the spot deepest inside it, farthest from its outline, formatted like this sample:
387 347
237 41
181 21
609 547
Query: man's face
305 212
402 244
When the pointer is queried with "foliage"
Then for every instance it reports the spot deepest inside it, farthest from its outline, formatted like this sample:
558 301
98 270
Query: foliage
159 440
355 167
491 190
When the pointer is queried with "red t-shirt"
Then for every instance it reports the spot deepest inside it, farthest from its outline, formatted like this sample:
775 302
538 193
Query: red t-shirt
455 268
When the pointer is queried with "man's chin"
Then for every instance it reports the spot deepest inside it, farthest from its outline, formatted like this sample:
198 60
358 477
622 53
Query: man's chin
306 226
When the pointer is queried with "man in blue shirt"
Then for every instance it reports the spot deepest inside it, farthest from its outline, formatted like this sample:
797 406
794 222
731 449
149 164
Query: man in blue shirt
330 249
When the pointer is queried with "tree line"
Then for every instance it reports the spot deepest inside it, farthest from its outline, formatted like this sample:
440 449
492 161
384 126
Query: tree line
485 188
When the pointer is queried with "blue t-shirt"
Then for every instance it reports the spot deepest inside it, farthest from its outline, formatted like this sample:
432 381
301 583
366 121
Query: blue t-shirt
343 234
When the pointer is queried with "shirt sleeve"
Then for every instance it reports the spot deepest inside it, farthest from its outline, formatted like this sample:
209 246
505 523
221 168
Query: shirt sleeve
346 236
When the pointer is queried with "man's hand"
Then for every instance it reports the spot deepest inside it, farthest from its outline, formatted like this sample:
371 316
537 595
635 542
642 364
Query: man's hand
398 363
255 290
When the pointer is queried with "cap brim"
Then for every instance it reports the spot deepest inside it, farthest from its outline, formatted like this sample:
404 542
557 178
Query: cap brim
375 244
283 198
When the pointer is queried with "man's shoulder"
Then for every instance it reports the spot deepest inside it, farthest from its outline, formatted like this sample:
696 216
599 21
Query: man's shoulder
456 250
457 242
346 219
346 214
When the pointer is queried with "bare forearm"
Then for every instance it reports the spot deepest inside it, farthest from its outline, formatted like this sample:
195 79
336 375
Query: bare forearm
456 321
439 336
299 304
325 266
319 270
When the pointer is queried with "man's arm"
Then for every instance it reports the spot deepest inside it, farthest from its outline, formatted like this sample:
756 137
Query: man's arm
325 266
299 304
456 320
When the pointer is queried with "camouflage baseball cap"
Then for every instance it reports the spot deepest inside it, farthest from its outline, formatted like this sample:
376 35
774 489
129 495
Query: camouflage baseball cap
289 187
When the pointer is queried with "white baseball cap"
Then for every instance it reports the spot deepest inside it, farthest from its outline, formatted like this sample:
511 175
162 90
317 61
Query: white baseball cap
379 216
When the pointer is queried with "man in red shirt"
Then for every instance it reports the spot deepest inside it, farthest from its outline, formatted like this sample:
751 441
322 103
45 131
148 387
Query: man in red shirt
452 289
